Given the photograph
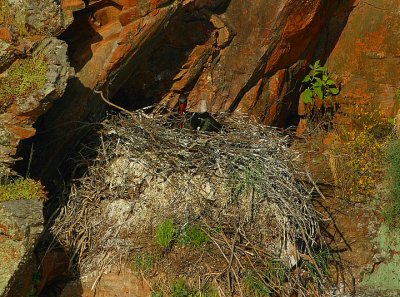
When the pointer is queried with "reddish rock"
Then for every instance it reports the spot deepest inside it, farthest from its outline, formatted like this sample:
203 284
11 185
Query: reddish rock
366 55
129 15
72 5
241 56
116 283
5 34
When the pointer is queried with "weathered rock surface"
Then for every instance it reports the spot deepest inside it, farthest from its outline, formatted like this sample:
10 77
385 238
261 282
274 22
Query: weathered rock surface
17 120
7 55
116 283
366 56
21 223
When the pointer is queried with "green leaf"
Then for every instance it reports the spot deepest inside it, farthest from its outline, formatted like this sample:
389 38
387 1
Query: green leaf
307 78
391 121
317 64
319 93
334 91
325 78
306 96
318 83
330 82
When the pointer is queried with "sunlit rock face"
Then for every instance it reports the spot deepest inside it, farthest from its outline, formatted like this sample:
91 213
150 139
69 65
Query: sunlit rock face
366 56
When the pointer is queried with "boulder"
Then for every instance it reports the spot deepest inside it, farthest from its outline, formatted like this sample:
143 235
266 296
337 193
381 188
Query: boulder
21 224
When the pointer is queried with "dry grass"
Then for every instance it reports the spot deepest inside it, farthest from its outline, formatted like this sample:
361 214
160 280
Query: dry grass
243 186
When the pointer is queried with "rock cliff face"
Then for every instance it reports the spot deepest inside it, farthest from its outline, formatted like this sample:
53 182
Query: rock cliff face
227 55
367 55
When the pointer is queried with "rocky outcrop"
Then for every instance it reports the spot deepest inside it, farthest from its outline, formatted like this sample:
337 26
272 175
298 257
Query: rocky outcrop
21 223
22 111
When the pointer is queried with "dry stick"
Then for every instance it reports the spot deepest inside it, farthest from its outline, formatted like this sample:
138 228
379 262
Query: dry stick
315 185
231 258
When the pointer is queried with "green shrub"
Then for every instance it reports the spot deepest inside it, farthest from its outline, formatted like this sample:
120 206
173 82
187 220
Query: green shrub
193 236
165 234
22 78
318 84
392 214
21 188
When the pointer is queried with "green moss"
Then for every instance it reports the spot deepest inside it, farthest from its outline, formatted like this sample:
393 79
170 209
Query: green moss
21 188
22 78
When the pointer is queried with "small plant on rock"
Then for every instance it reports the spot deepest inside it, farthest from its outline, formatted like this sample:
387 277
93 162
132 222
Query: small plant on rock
21 79
319 88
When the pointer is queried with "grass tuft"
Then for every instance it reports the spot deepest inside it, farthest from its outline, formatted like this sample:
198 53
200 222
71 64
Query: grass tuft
179 288
143 263
165 234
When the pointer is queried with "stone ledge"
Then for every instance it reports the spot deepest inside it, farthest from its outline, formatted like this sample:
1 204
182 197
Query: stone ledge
21 224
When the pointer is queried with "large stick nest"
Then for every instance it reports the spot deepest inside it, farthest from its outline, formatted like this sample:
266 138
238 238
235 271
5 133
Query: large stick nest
244 178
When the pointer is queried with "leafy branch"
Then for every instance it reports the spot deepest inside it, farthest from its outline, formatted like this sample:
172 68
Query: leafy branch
318 85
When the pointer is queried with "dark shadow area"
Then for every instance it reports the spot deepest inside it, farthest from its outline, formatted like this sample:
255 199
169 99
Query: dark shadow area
39 154
154 76
56 130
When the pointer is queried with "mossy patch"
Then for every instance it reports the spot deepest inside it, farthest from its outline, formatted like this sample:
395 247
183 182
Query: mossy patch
21 188
387 274
22 78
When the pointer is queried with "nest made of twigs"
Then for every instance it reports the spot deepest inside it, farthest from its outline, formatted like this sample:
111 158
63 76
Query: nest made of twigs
244 178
